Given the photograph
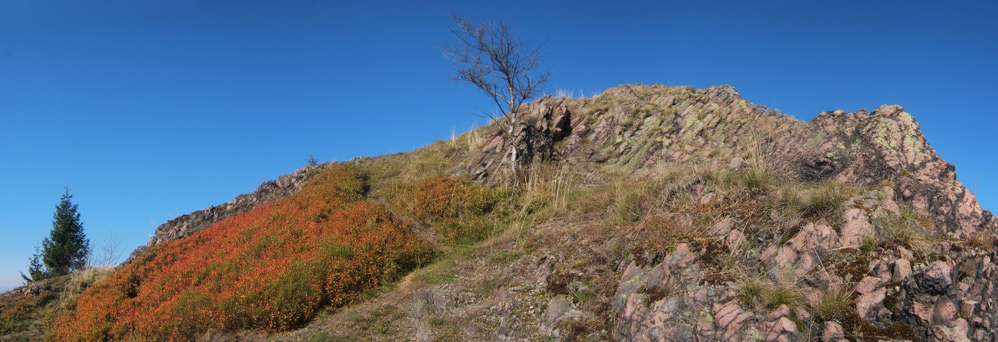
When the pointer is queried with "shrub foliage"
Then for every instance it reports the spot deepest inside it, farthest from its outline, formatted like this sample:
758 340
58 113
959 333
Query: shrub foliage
272 268
455 207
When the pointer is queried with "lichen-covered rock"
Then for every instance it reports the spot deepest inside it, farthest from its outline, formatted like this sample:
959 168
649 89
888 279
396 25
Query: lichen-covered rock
803 252
865 148
559 308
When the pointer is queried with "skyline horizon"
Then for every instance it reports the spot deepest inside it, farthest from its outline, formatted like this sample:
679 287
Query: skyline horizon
149 111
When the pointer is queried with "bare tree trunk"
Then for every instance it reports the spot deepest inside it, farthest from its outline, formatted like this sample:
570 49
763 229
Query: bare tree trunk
513 151
515 119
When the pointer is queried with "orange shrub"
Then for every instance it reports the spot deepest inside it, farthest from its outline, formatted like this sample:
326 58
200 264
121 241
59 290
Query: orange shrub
272 268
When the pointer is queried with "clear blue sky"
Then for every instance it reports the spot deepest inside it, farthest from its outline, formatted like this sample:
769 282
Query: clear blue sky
152 109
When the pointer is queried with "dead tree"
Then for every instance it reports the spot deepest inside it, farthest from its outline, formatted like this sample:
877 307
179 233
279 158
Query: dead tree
492 57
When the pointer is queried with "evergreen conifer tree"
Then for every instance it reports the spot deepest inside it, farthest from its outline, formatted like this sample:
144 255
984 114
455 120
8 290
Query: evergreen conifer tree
66 248
36 270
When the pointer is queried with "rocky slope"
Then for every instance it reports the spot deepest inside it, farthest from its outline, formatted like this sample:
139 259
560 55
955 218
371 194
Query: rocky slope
944 292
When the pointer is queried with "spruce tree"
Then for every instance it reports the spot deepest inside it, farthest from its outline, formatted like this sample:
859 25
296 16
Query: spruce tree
66 248
36 270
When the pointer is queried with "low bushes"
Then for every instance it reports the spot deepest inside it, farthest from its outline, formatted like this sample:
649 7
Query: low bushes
455 207
272 268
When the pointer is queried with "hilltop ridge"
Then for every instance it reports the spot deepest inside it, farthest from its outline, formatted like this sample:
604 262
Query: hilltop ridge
637 127
646 213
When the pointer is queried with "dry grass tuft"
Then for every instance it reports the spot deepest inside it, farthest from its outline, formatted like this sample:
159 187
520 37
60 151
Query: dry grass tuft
905 229
816 201
81 280
833 305
755 293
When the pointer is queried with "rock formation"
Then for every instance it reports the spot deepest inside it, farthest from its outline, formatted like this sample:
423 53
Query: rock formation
944 292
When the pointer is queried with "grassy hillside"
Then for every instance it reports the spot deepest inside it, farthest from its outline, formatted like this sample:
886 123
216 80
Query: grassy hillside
26 313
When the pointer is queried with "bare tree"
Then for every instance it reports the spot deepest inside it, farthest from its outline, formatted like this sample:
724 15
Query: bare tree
108 254
491 56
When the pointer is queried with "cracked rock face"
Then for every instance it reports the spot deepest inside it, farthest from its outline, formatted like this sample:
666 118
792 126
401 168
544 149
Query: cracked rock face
887 144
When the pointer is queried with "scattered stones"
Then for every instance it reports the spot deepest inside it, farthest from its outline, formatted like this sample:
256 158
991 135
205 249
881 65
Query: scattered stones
967 308
780 328
869 305
803 252
868 284
667 301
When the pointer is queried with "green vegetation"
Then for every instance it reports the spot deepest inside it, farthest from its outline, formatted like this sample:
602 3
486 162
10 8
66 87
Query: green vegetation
66 248
318 336
757 178
782 295
750 292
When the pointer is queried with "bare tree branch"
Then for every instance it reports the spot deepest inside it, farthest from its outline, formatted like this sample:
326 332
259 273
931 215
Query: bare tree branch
491 57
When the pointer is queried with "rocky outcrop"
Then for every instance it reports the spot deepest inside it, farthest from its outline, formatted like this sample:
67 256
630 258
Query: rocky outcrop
186 225
545 125
639 127
942 292
887 144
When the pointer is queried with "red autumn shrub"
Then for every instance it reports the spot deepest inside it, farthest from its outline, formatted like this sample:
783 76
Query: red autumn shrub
272 268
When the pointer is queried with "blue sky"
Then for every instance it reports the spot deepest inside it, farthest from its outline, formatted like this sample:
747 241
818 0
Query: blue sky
148 110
